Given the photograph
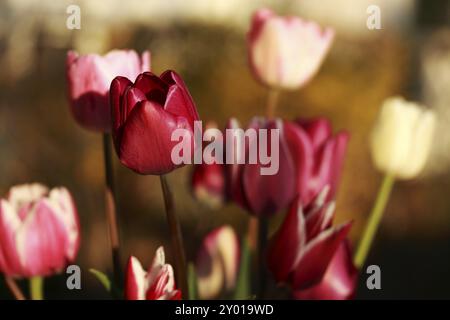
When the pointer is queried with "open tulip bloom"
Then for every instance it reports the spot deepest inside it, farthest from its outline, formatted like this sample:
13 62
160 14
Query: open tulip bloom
302 249
158 283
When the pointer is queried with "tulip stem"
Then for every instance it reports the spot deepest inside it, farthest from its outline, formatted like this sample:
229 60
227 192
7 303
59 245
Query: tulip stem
272 102
14 288
110 208
374 220
176 236
263 230
36 286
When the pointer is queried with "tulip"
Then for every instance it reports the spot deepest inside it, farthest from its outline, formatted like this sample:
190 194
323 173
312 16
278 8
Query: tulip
302 249
89 78
156 284
217 262
145 114
402 137
286 52
310 158
39 231
339 281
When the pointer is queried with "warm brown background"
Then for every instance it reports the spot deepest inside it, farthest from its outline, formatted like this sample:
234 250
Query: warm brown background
205 43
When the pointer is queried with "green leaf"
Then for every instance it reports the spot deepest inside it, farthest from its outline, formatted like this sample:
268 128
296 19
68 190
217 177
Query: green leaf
103 278
242 291
192 282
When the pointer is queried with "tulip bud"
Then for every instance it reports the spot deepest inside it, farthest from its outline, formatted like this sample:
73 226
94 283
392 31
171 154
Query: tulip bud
402 137
156 284
217 262
39 231
286 52
145 114
339 281
301 250
89 78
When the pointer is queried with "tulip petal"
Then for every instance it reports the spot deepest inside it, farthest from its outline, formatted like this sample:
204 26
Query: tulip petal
9 224
135 283
319 130
317 255
288 243
339 281
146 144
267 194
118 87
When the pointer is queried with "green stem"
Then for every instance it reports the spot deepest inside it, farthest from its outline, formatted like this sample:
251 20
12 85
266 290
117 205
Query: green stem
374 220
176 236
36 284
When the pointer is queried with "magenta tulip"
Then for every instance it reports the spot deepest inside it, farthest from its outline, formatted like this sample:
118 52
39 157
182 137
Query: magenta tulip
303 247
156 284
339 281
89 78
145 114
39 231
310 158
286 52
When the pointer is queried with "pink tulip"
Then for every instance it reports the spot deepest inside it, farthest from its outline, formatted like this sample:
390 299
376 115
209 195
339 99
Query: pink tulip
89 78
318 155
310 158
145 114
39 231
339 281
286 52
262 194
156 284
217 262
303 247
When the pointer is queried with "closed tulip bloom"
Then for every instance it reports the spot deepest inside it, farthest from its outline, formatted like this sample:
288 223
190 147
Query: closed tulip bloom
247 186
89 78
402 137
39 231
339 281
310 157
318 154
145 114
158 283
302 249
217 262
286 52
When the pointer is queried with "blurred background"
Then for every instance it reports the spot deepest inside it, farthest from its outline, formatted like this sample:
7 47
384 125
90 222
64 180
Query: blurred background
205 42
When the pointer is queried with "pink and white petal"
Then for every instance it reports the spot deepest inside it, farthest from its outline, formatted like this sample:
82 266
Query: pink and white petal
9 224
135 281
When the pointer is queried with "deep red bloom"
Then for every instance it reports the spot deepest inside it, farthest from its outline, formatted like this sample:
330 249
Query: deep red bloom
89 78
145 114
156 284
302 249
339 281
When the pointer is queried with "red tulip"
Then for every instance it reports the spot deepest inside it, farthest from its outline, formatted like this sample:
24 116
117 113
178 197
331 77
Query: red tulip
156 284
262 194
145 114
310 158
318 155
286 52
339 281
39 231
89 78
217 262
302 249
